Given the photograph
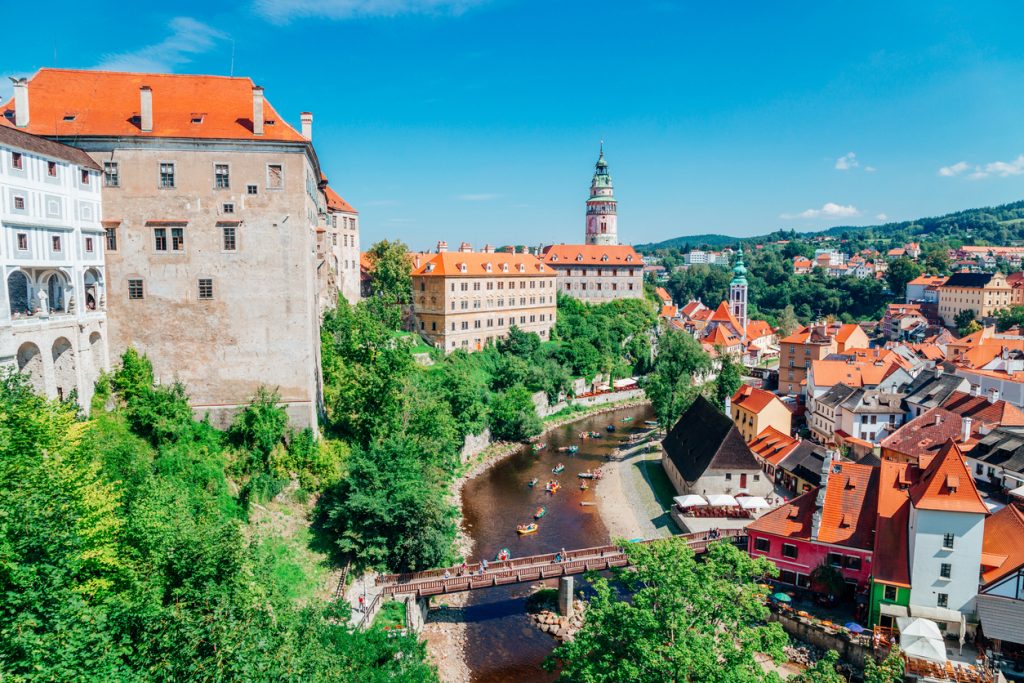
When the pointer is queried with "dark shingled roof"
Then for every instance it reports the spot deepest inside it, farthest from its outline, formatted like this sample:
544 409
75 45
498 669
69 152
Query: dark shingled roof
12 137
968 280
930 391
705 439
805 462
1002 448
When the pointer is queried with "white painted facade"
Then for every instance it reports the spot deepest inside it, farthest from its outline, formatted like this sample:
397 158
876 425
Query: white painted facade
53 321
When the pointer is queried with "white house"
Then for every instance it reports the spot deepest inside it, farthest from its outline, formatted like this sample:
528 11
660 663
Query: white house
53 323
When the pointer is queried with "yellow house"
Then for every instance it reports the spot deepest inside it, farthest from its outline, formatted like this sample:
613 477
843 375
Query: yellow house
982 293
753 410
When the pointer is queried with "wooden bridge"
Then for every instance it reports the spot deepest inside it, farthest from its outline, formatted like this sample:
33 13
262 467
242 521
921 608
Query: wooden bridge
532 568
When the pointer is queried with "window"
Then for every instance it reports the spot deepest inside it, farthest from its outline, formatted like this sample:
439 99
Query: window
16 160
835 560
134 288
221 176
789 551
22 241
728 476
945 570
786 576
947 541
111 174
762 545
85 177
890 593
51 169
275 177
228 207
177 239
88 244
111 239
56 242
19 203
166 174
252 189
229 239
943 600
205 288
160 239
852 562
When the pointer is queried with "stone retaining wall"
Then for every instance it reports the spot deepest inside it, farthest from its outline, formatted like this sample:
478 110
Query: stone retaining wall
852 651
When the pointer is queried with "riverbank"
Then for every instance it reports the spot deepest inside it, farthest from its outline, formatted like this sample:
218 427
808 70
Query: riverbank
445 635
627 500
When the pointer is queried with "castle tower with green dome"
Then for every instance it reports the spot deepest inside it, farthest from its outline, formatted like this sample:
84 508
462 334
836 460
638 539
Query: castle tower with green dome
738 293
602 222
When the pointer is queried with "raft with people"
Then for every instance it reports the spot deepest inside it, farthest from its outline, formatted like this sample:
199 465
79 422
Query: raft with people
584 486
626 419
552 487
610 428
590 474
540 512
532 482
503 555
568 449
538 447
524 529
558 469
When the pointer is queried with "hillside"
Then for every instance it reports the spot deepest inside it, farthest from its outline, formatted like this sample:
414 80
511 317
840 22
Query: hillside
1001 224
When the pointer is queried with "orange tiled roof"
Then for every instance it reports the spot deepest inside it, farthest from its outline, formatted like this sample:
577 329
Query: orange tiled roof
922 437
758 328
947 484
669 311
773 446
928 280
844 332
476 265
890 563
692 307
336 203
984 411
662 294
847 514
722 314
104 102
592 254
1003 546
752 399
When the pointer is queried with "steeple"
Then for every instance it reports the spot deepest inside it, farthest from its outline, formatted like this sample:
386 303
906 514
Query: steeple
738 292
602 221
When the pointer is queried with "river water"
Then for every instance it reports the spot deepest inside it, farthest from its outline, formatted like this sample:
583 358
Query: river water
501 643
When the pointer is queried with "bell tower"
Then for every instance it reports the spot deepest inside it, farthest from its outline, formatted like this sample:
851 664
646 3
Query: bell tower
602 222
738 293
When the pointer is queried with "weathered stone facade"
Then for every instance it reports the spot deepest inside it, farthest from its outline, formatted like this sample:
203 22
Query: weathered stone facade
596 273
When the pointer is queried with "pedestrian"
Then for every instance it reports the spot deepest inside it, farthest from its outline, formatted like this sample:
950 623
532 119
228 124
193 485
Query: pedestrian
483 565
447 574
362 605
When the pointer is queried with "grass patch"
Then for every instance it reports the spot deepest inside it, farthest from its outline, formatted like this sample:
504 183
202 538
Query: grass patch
391 615
298 572
659 482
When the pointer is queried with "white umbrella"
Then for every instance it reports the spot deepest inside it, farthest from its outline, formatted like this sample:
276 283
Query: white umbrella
1018 492
721 500
918 627
921 647
752 502
689 500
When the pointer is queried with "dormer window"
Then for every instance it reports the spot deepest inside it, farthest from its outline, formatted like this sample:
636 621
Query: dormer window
630 258
522 268
504 267
488 268
69 117
579 257
197 118
541 267
604 257
462 267
554 257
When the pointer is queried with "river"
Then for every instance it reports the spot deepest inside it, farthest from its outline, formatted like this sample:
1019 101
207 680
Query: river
501 643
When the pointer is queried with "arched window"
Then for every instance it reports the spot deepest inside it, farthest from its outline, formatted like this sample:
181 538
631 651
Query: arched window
17 293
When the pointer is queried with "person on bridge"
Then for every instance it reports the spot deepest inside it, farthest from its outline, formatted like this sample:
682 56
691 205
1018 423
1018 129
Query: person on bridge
362 605
558 557
483 565
447 574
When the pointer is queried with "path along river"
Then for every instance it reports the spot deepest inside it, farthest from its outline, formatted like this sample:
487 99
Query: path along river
501 643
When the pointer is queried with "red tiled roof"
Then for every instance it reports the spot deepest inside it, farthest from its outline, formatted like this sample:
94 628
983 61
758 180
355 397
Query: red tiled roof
982 410
758 328
773 446
928 280
844 332
662 294
890 563
722 314
947 484
752 399
336 203
847 514
926 434
476 265
692 307
1003 546
668 312
104 103
592 254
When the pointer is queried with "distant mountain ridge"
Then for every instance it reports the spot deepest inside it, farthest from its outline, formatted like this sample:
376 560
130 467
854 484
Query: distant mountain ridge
995 224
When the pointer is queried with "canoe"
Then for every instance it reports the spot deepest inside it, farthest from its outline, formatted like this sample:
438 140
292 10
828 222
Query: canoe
537 447
610 428
651 423
558 469
584 486
626 419
503 555
540 512
527 528
532 482
586 475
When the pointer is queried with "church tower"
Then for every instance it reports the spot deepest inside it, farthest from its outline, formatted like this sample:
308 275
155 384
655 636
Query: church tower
738 293
602 223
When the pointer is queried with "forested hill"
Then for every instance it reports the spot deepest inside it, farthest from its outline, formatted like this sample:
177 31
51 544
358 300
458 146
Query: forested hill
1001 224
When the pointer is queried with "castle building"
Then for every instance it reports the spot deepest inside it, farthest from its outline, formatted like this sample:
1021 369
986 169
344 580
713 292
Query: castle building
212 209
596 273
602 221
467 299
53 321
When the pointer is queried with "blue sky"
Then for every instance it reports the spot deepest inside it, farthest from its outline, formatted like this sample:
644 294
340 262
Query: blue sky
479 120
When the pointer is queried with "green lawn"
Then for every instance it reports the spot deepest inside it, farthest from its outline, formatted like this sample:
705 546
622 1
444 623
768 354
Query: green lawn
391 615
297 571
663 490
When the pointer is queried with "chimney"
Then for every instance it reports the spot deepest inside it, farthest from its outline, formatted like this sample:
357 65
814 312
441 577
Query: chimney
465 248
442 247
728 407
307 125
21 102
938 419
966 436
146 109
257 110
939 369
488 248
974 389
819 503
993 395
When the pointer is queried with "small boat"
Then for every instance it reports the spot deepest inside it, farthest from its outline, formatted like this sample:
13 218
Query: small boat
532 482
538 447
540 512
610 428
558 469
573 449
651 423
503 555
527 528
595 435
552 487
626 419
585 475
584 486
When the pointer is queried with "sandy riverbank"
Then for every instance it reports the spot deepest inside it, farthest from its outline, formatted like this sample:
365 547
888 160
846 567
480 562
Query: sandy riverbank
446 637
626 502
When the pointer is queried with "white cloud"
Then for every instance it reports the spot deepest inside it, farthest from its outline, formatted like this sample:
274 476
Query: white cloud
881 217
870 169
283 11
846 162
188 37
956 169
481 197
829 211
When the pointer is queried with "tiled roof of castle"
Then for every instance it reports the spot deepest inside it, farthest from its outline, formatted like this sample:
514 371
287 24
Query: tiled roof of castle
336 203
480 264
591 254
103 103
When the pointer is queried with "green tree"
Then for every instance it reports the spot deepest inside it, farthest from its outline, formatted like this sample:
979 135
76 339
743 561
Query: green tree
684 621
259 428
728 380
391 278
519 343
671 384
900 272
513 415
1008 317
963 321
787 321
889 671
823 671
